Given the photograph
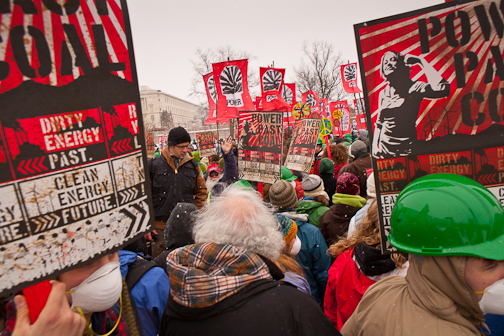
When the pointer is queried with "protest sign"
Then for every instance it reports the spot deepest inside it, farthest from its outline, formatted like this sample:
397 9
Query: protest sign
260 146
149 144
206 143
432 82
302 146
72 149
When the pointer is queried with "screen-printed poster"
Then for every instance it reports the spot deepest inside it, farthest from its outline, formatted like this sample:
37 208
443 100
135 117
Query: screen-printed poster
260 146
433 83
206 143
302 146
72 149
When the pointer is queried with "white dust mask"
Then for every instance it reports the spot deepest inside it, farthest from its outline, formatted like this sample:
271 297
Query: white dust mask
100 290
492 301
296 247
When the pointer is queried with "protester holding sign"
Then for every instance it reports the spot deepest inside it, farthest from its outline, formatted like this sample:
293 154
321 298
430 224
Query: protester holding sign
96 291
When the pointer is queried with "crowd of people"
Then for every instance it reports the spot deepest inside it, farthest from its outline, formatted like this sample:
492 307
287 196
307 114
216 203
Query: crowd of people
302 257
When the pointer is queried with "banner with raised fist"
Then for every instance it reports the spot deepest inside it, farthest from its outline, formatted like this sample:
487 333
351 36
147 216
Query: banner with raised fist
260 146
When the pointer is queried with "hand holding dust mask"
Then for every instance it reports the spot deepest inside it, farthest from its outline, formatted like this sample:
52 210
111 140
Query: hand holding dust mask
99 291
493 298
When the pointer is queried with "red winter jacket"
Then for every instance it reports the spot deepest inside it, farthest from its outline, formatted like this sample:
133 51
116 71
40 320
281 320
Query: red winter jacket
299 189
345 287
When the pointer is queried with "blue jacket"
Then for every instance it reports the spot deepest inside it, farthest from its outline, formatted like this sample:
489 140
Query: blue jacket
312 256
149 294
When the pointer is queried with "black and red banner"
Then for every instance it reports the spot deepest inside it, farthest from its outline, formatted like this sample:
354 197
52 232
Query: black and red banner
433 84
260 146
302 147
232 89
72 145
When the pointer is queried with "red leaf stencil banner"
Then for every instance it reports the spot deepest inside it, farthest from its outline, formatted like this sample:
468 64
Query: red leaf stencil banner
271 86
232 89
433 81
349 78
343 117
72 143
310 98
209 82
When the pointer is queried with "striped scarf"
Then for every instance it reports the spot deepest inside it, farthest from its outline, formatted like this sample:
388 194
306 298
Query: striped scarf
203 274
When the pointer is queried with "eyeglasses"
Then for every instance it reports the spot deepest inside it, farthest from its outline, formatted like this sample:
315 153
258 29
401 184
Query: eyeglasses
214 174
182 147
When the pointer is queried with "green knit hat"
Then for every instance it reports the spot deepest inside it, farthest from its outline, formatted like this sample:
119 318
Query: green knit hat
326 166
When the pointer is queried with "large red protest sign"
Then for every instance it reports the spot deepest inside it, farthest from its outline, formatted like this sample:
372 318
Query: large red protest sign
271 86
432 82
72 146
231 85
343 116
260 146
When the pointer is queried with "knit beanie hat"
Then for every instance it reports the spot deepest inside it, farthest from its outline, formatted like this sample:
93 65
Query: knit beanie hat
358 147
288 228
283 195
286 174
314 186
370 184
177 136
312 182
348 184
326 166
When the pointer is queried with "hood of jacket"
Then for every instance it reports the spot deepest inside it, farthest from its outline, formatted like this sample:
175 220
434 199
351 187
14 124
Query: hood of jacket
438 285
178 231
308 206
298 217
353 200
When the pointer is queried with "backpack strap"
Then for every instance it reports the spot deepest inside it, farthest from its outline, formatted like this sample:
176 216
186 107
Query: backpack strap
137 270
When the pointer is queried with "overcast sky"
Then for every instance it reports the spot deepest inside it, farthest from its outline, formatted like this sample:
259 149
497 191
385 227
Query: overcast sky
166 33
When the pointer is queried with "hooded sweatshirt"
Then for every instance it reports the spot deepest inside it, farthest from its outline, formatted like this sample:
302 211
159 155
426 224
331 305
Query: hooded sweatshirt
433 299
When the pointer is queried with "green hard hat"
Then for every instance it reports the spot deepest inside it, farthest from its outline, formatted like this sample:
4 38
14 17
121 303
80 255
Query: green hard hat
448 215
319 141
243 184
286 174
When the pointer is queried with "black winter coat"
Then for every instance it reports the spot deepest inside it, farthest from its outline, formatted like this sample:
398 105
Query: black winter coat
170 187
265 307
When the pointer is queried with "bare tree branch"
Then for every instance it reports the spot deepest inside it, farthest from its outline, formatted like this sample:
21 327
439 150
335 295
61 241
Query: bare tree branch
321 72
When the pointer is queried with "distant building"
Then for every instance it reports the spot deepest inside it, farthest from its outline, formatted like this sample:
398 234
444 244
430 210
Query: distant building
162 111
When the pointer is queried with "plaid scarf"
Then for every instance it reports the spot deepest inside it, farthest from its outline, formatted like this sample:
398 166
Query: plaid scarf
203 274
